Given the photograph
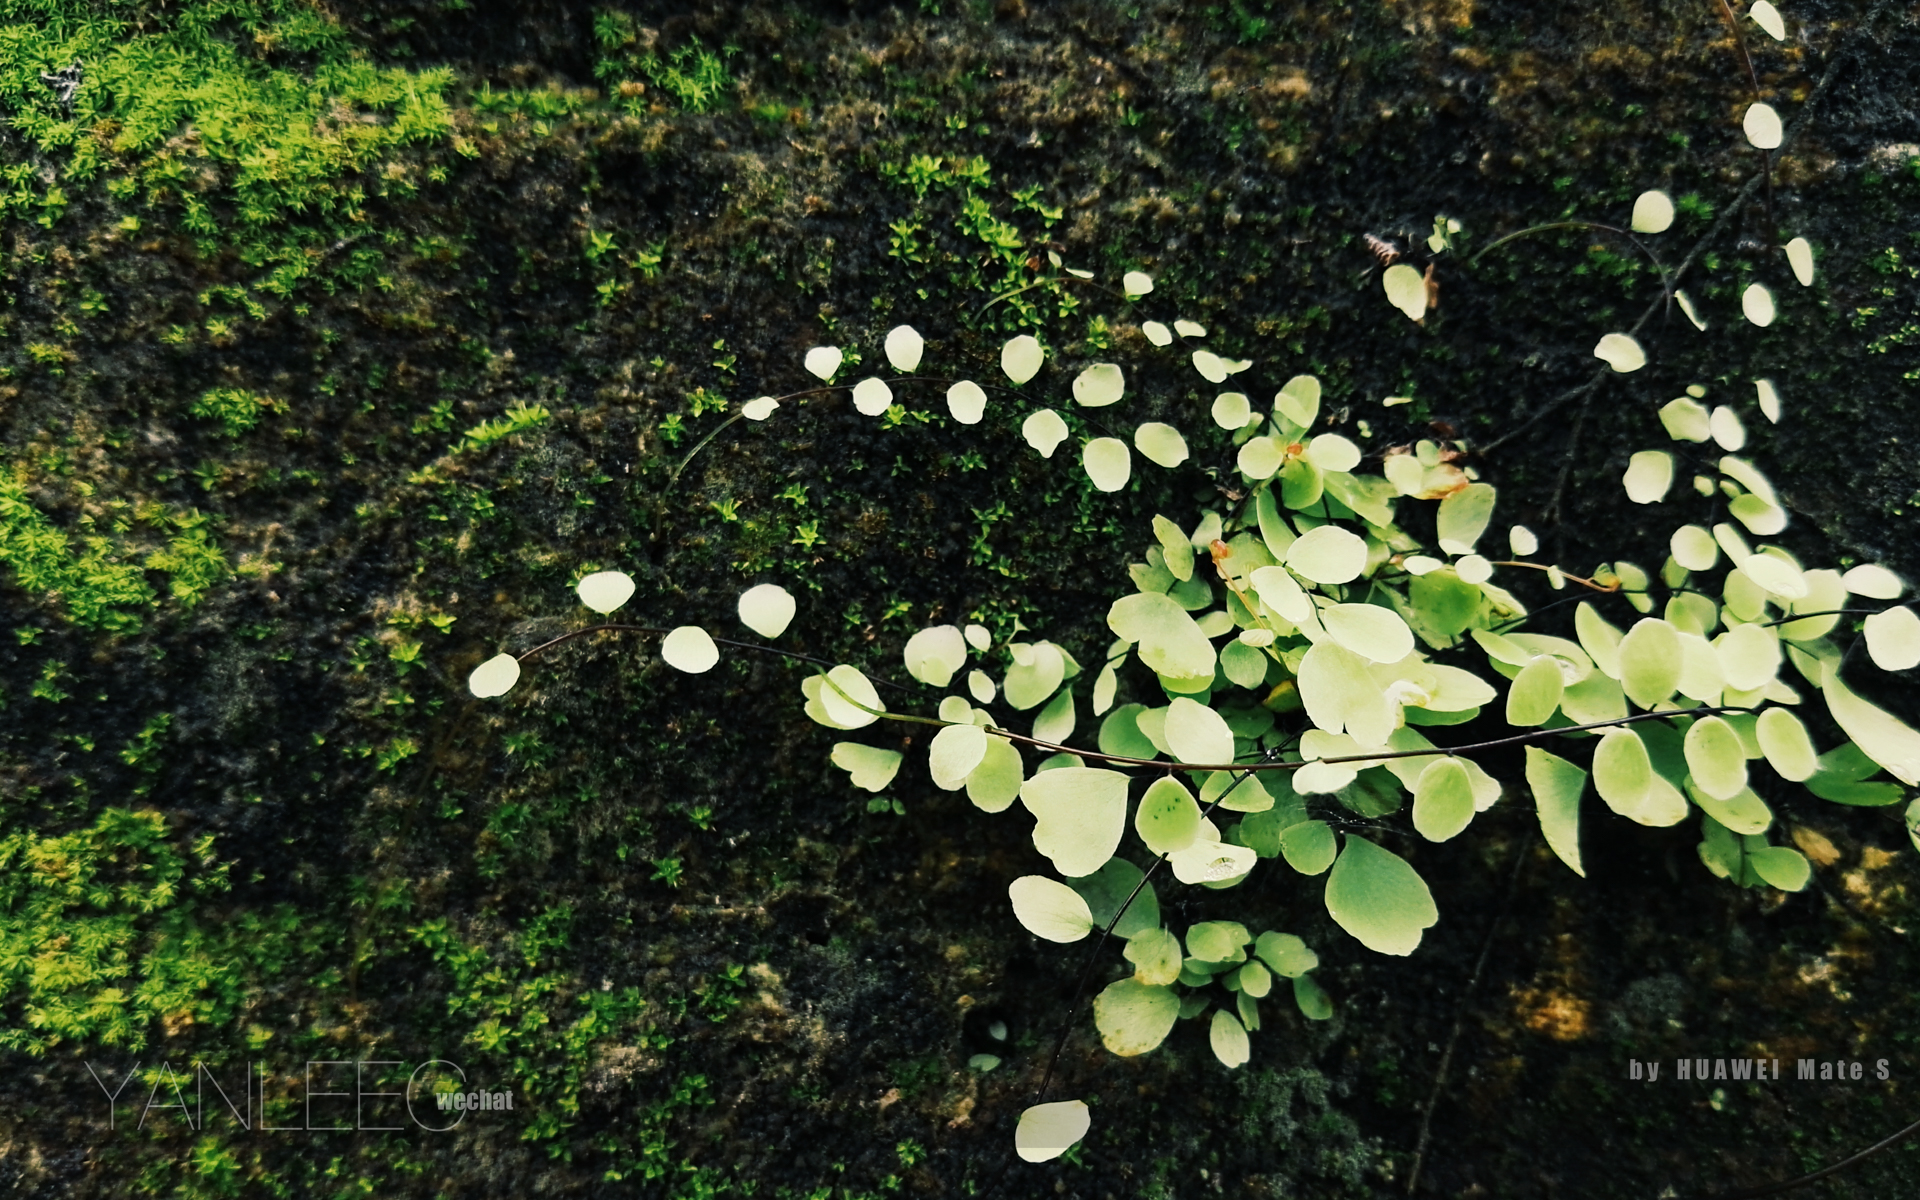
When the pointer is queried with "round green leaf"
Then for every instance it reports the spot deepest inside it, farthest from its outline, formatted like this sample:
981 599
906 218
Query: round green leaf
1243 664
953 754
1650 662
1155 955
1377 897
1228 1037
1783 739
1037 670
1081 814
1047 1131
1108 463
1406 290
494 677
1716 758
1776 575
1620 352
872 397
1311 998
1694 548
1341 695
1255 980
1749 656
604 591
1757 302
1120 734
1161 444
1442 800
1649 475
1110 887
843 689
1762 127
822 361
1098 386
759 409
1874 582
1166 637
1134 1017
1686 420
1168 818
1211 366
1207 861
1893 639
1231 410
1157 333
934 654
1299 400
1021 357
1056 721
1286 954
1258 458
1535 693
1197 734
1781 867
1309 847
1331 452
1050 909
1463 516
1373 632
689 649
871 767
1044 431
967 401
1622 772
904 347
1652 212
1328 554
767 609
1136 283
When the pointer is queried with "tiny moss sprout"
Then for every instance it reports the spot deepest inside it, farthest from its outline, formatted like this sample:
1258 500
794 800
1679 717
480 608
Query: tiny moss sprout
1273 692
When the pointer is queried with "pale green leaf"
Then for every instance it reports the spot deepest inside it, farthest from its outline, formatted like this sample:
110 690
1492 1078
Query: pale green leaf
822 361
767 609
954 753
494 677
1136 283
759 409
1762 127
872 397
1046 1131
1157 333
604 591
1874 582
1406 290
1716 758
871 767
1557 786
1299 400
841 695
1622 771
1726 428
1784 740
1311 998
1442 800
1308 847
1281 592
1893 639
1168 818
1649 475
1155 955
1880 735
1767 17
1686 420
1081 814
1114 884
1775 574
1050 909
1749 656
1757 302
1243 664
1021 357
1331 452
1373 632
1160 444
1781 867
1044 431
1620 352
1769 399
1217 941
1599 638
1341 695
1521 541
1377 897
1098 386
934 654
1120 734
1108 463
1650 661
1197 734
1463 517
1229 1039
1056 721
993 785
1211 366
1231 410
1104 686
981 687
1249 795
1255 980
1167 639
1289 957
690 649
1329 554
1037 670
967 401
1652 212
1258 458
1745 812
1694 548
1535 693
904 346
1207 861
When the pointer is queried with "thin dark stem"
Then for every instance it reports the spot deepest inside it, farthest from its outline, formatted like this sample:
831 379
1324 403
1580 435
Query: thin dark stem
612 628
1733 26
1531 229
1774 1189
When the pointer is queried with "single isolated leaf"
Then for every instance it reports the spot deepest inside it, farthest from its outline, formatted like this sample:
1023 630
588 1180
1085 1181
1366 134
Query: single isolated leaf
1134 1017
1044 431
1231 410
1800 258
1649 476
690 649
1621 353
604 591
1136 283
494 677
1769 399
1157 333
1190 329
904 347
1757 303
1762 127
1521 541
1228 1037
1309 847
1783 739
1463 517
1687 310
871 767
1098 386
1081 814
1406 290
953 754
935 653
1767 17
1047 1131
1557 785
1160 444
1893 639
1110 887
1686 420
1652 212
1037 670
1312 999
1442 800
1299 400
1108 463
872 397
767 609
1211 366
1727 430
759 409
822 361
1021 357
1050 909
1377 897
1168 819
967 401
1874 582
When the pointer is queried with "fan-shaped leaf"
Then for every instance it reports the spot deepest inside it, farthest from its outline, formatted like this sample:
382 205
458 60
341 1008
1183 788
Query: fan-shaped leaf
822 361
1211 366
690 649
759 409
1161 444
1055 722
1370 631
1649 475
1155 955
1168 640
871 767
1463 517
1098 386
1081 814
872 397
1406 290
1650 662
1231 410
1521 541
1652 212
1044 431
1168 818
842 693
1727 429
1157 333
1114 884
1377 897
1136 283
967 401
767 609
1197 734
1535 693
1108 463
1874 582
1686 420
1622 772
1050 909
1047 1131
1340 694
1749 656
934 654
1299 400
993 785
1037 670
1781 867
1134 1017
1329 554
1289 957
1331 452
1557 785
1893 639
604 591
904 347
1762 127
1769 400
1021 357
954 753
1716 758
1258 458
1309 847
1621 353
494 677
